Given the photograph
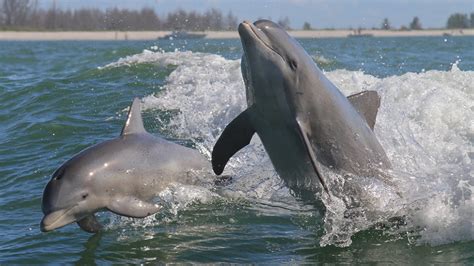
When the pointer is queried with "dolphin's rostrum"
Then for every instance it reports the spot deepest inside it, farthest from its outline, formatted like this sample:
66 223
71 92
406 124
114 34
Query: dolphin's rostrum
123 175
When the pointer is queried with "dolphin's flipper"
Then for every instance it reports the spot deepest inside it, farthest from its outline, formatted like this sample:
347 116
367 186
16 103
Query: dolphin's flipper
367 104
134 123
90 224
303 130
235 136
133 207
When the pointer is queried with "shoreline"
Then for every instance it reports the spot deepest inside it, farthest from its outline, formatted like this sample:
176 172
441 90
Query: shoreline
154 35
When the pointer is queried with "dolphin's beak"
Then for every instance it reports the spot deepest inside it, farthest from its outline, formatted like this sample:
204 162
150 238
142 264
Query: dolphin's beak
248 31
245 31
57 219
252 35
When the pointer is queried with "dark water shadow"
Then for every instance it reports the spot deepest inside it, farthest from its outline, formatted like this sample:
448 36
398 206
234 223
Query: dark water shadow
87 256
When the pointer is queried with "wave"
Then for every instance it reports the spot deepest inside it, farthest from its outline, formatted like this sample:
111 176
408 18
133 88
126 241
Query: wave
424 123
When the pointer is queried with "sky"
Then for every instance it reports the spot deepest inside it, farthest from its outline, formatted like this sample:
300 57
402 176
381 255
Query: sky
319 13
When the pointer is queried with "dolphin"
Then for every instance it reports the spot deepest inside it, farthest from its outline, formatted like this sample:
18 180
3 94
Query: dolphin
307 126
122 175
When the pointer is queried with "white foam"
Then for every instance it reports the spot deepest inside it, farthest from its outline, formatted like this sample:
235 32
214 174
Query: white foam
425 124
321 60
445 220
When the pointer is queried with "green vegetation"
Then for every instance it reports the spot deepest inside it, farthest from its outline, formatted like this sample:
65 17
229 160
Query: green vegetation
460 21
386 24
415 24
455 21
307 26
25 15
284 23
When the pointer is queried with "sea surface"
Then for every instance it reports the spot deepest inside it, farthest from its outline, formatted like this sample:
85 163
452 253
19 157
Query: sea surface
59 97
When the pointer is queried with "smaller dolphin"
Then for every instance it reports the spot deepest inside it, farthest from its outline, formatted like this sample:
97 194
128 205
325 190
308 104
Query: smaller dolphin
122 175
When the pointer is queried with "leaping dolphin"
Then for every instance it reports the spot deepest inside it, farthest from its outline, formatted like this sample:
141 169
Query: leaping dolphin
304 121
122 175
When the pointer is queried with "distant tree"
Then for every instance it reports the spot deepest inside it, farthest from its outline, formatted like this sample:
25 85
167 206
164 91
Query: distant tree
148 20
284 23
472 20
196 22
307 26
36 19
231 21
113 19
386 24
415 24
1 13
15 12
65 19
177 20
403 28
50 17
457 21
216 19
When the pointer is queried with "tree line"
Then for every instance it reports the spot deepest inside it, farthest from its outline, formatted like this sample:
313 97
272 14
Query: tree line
455 21
415 24
460 21
25 15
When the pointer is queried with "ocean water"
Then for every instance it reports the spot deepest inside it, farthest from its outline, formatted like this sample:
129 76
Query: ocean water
59 97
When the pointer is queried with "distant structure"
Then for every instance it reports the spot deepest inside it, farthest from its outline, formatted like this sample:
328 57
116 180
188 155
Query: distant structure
182 35
358 33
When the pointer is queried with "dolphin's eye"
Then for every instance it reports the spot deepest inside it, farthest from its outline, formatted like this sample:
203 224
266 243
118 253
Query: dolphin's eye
293 64
84 196
58 174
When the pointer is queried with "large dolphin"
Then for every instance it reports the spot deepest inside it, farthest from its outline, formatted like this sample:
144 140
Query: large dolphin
307 126
122 175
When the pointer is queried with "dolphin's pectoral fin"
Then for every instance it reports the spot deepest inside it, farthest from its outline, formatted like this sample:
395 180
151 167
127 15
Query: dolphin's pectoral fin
133 207
90 224
367 105
134 123
303 130
235 136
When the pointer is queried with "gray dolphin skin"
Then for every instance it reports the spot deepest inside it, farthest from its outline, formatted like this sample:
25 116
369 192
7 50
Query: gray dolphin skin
307 126
122 175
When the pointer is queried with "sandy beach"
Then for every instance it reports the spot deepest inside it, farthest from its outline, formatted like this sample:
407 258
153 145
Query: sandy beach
152 35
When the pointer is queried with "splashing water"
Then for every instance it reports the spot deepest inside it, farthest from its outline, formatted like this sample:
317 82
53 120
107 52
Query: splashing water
425 124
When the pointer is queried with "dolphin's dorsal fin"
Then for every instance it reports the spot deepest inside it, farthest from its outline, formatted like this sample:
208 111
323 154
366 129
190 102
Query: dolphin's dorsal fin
134 123
367 105
236 135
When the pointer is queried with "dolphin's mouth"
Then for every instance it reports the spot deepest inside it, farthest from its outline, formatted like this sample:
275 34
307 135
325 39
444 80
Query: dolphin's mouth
254 32
57 219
